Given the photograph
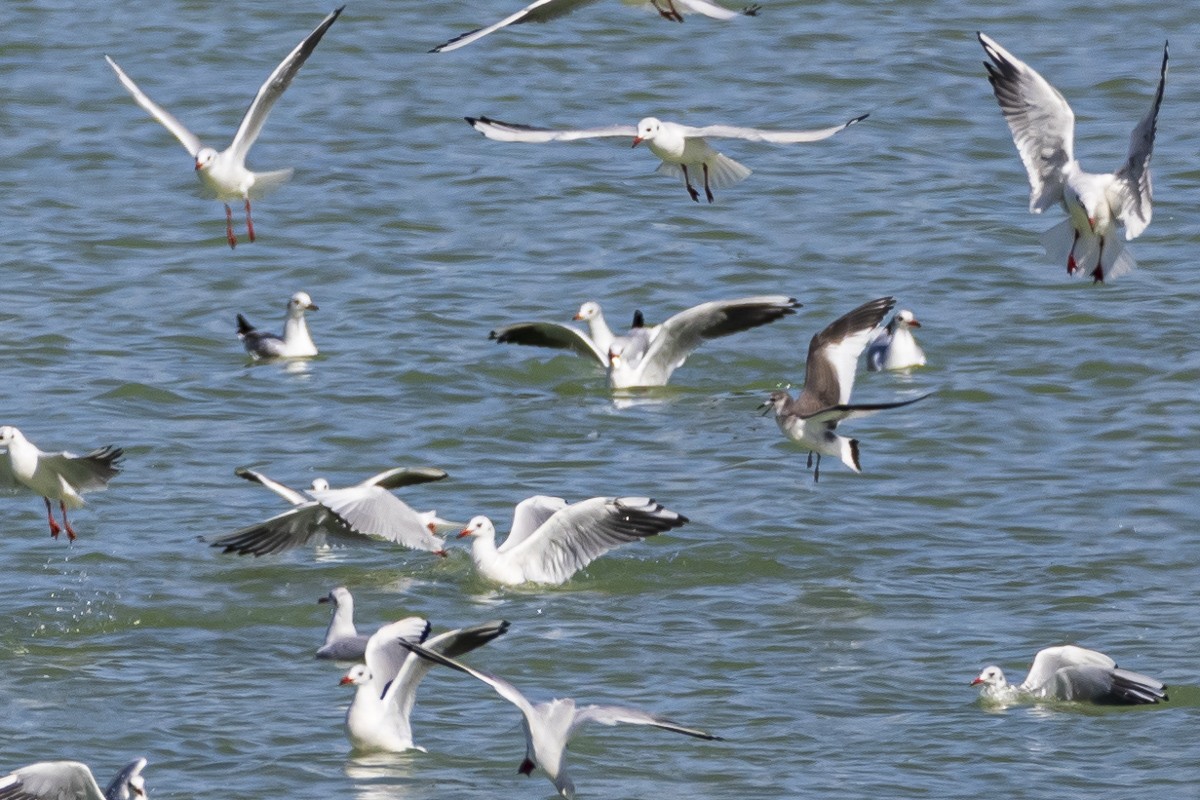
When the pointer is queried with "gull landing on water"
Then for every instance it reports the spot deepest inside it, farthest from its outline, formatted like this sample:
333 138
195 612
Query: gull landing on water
894 346
71 780
1043 128
1072 673
812 418
295 342
679 146
545 10
54 476
550 726
224 174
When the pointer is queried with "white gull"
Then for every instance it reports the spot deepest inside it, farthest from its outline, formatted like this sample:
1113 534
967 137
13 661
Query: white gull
1075 673
295 342
894 346
71 780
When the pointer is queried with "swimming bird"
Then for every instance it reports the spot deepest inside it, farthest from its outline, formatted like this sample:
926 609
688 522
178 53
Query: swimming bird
545 10
379 716
812 418
55 476
550 726
550 540
894 346
224 174
646 356
1072 673
343 642
295 342
71 780
1043 128
365 510
679 146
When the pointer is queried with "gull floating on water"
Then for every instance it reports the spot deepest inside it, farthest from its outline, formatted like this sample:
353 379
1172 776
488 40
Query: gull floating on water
550 540
1072 673
1043 128
894 346
646 356
550 726
812 418
71 780
295 342
378 717
343 642
679 146
365 510
545 10
224 174
55 476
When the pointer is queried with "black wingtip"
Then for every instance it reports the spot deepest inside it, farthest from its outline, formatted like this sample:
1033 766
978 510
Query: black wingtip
857 120
244 327
854 455
639 319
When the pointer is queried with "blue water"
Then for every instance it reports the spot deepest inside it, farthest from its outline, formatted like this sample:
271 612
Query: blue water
1046 493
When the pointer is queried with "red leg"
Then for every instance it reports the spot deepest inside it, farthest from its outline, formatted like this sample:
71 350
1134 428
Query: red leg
1072 267
229 227
249 222
688 182
54 529
675 15
1098 272
707 191
66 522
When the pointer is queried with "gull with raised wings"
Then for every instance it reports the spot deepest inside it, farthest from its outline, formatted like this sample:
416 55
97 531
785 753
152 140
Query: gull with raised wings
1074 673
71 780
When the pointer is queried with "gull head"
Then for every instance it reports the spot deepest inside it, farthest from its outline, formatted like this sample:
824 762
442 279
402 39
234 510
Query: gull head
137 786
906 319
339 596
300 303
776 402
8 435
615 352
358 675
478 526
991 679
588 311
647 129
205 158
320 485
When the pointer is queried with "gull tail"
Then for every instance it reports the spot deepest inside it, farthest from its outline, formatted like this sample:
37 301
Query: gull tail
244 327
265 182
1083 255
723 171
848 452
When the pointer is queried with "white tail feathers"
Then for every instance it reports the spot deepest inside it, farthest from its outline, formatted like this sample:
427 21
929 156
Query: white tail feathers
265 182
723 171
1082 254
848 452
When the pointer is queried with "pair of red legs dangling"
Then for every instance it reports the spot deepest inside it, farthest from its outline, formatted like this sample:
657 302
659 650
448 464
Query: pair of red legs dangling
1072 267
54 529
229 224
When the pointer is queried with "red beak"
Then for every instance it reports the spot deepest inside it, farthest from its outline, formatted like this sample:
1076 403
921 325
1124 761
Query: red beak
198 166
976 681
463 532
914 324
345 680
636 141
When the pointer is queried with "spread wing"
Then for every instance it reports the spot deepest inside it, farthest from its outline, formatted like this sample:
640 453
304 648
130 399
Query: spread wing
550 334
538 11
50 780
708 9
451 644
287 493
1132 189
119 787
185 137
514 132
1052 659
529 515
775 137
273 88
385 657
856 411
89 473
405 476
310 522
1042 124
375 512
501 686
613 715
833 357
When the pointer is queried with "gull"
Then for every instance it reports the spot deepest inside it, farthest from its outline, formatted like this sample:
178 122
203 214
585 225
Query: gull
55 476
550 726
545 10
894 347
1043 128
71 780
224 174
365 510
343 642
679 146
295 342
1072 673
550 540
812 418
646 356
379 716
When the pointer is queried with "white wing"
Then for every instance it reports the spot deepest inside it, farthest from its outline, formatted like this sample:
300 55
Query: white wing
539 11
707 9
311 522
385 656
287 493
51 780
776 137
186 137
1133 191
451 644
501 686
1042 124
550 334
833 357
613 715
89 473
514 132
529 515
398 477
376 512
273 88
1052 659
578 534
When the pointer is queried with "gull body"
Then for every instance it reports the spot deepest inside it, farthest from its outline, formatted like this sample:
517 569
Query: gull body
62 476
647 356
1073 673
296 341
224 174
71 780
550 726
343 642
1043 128
378 719
550 540
545 10
684 150
894 346
812 418
366 510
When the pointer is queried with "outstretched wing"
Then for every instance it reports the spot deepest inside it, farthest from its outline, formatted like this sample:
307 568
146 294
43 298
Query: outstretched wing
501 686
841 413
185 137
50 780
405 476
775 137
529 515
451 644
538 11
275 85
613 715
833 357
287 493
89 473
385 656
1132 189
377 513
514 132
310 522
1051 659
550 334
